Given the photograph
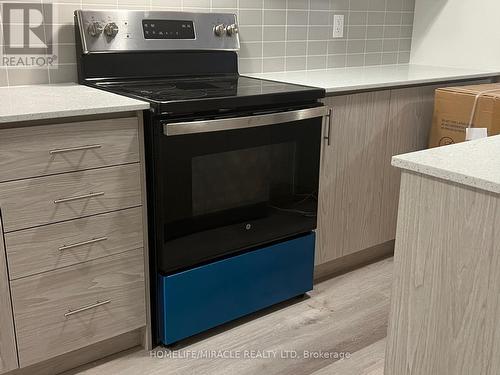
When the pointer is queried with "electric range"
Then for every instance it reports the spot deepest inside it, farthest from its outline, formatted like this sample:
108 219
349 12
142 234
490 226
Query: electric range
232 164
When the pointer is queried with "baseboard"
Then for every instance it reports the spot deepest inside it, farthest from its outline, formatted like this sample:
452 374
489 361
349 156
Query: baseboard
352 261
85 355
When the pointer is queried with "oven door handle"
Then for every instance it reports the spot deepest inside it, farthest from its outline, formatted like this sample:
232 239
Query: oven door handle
193 127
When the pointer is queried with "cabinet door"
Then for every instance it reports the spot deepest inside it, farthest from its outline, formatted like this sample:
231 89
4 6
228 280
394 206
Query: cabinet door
8 355
409 125
351 179
408 128
359 189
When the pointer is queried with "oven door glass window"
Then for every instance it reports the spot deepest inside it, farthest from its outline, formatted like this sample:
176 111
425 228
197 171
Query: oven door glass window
226 191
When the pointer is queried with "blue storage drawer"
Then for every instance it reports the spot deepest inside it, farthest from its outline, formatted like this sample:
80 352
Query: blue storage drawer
204 297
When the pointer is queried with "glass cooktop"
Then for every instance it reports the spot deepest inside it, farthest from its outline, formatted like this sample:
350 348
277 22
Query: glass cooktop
212 87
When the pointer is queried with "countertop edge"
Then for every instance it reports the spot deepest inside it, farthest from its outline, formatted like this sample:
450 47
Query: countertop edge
443 174
415 82
34 116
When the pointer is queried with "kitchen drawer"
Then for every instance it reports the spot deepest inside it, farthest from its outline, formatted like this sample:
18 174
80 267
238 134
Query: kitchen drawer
43 150
195 300
54 246
45 200
67 309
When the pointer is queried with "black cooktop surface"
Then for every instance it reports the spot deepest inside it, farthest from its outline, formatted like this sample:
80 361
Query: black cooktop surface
209 92
166 90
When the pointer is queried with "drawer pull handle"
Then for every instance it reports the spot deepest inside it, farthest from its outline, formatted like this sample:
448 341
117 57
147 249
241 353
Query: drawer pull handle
329 117
89 195
93 240
70 149
85 308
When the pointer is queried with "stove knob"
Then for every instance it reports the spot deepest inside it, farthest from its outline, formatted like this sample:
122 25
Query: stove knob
232 29
111 29
220 30
95 29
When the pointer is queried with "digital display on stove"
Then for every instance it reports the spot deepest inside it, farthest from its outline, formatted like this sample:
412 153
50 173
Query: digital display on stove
168 29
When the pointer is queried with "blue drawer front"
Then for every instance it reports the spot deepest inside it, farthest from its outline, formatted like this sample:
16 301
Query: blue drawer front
204 297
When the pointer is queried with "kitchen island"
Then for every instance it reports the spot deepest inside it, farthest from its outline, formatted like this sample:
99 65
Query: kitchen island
446 291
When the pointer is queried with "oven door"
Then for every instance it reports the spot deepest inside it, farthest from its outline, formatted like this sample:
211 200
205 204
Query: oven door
224 185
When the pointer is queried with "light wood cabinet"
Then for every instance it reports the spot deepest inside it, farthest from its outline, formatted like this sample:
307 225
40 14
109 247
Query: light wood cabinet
8 353
408 128
45 200
72 258
359 189
64 310
446 286
351 181
71 242
59 148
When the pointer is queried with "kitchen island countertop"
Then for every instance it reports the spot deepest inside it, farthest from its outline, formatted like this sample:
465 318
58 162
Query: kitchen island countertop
474 163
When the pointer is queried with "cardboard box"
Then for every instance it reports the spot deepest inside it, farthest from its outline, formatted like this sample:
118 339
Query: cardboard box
453 107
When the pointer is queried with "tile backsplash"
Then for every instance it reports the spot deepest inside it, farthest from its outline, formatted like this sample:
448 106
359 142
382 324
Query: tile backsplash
276 35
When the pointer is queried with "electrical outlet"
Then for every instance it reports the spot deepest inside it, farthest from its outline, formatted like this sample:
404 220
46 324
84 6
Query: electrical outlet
338 25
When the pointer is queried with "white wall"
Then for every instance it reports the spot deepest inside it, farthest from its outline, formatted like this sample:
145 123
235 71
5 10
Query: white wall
459 33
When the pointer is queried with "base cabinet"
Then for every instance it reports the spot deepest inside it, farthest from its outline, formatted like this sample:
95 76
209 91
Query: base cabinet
72 249
350 179
359 189
67 309
408 129
8 352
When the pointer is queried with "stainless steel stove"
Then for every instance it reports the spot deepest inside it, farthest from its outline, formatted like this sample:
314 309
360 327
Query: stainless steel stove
232 164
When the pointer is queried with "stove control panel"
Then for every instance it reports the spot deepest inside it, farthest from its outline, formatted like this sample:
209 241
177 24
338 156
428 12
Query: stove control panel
125 31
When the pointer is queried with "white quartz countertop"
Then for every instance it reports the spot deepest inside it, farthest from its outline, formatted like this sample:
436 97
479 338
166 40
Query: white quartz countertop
374 77
37 102
474 163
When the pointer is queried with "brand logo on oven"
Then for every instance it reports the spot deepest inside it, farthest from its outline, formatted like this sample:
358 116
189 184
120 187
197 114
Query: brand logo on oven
248 226
27 35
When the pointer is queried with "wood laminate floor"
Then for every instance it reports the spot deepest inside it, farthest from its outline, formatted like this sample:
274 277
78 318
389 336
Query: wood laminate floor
346 314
